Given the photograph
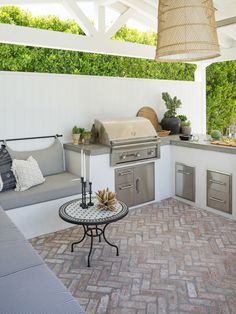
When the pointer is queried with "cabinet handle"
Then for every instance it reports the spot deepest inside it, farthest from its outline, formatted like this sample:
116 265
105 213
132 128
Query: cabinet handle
126 187
217 182
137 184
184 172
123 173
216 199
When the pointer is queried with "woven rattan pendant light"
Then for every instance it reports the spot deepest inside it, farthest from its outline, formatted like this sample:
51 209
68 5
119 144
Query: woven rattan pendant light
186 31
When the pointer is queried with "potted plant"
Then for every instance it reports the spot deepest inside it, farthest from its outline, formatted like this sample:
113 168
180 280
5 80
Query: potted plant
86 136
185 126
171 121
75 135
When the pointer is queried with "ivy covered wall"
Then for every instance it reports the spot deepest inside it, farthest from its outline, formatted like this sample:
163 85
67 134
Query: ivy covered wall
221 77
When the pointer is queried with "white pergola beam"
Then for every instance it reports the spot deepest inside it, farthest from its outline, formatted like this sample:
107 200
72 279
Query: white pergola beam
122 19
20 2
72 7
142 7
27 36
101 19
226 22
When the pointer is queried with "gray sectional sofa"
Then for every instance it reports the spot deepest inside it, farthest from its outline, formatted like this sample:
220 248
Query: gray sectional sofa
26 283
27 286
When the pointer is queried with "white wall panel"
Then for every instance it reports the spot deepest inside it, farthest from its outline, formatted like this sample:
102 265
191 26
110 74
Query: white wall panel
33 104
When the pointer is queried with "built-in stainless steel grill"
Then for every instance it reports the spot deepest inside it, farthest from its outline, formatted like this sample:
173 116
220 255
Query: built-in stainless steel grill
130 139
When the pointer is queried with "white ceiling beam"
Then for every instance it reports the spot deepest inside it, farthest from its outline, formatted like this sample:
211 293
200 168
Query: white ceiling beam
100 19
27 36
72 7
142 7
122 19
121 8
104 2
17 2
226 22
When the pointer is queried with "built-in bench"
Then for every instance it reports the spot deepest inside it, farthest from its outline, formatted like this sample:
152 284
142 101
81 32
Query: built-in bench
35 211
26 283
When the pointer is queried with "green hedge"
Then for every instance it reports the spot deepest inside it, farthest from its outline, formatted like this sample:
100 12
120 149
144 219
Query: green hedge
31 59
221 95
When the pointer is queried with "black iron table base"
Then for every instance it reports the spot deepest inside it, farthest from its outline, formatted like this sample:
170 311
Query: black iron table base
94 232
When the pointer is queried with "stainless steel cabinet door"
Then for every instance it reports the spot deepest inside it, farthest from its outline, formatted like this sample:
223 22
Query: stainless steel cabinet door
135 185
144 183
185 182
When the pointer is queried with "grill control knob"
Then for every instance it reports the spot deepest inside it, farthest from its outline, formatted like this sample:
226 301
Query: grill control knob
123 157
137 155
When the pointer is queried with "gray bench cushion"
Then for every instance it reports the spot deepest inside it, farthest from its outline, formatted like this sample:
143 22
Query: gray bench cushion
26 283
50 159
55 187
35 290
15 252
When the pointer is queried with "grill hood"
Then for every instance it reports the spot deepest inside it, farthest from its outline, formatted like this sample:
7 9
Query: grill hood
126 130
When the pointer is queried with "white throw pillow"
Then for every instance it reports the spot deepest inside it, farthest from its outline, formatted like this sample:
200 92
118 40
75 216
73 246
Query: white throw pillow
27 173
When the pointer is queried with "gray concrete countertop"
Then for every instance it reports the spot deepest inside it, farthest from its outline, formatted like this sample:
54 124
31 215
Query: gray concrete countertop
89 149
202 143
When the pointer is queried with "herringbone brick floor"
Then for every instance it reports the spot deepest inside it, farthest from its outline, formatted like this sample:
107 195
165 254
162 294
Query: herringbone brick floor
174 258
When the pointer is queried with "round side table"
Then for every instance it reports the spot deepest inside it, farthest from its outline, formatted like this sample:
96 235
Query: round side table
93 220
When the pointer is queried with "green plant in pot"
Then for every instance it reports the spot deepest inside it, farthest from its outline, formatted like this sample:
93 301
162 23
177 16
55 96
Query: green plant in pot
86 136
171 121
75 135
186 127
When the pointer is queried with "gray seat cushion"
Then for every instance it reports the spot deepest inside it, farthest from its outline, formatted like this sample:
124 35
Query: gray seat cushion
55 187
35 290
50 159
15 252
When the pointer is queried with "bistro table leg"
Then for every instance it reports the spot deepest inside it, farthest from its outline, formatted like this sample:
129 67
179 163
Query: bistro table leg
99 235
117 249
72 245
91 245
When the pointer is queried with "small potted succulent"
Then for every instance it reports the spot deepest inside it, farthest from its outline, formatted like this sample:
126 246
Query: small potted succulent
171 121
76 134
86 136
185 126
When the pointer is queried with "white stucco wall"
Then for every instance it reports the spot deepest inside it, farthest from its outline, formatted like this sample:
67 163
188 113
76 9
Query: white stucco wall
33 104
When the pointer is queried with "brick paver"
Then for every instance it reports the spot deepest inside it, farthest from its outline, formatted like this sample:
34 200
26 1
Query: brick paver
174 258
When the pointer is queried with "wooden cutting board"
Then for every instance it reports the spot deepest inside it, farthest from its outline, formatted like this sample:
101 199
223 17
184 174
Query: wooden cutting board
229 144
150 114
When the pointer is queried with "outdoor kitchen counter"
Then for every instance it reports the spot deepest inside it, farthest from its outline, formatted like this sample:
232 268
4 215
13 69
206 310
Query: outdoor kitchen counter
89 149
201 144
98 149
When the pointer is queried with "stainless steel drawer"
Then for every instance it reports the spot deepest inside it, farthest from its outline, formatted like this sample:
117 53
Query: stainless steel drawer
185 181
218 181
125 192
219 191
124 175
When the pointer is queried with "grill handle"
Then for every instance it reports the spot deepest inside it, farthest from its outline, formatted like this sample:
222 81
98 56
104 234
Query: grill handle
124 173
216 199
217 182
125 187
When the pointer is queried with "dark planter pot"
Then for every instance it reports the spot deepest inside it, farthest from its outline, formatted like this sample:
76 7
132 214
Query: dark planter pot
171 124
